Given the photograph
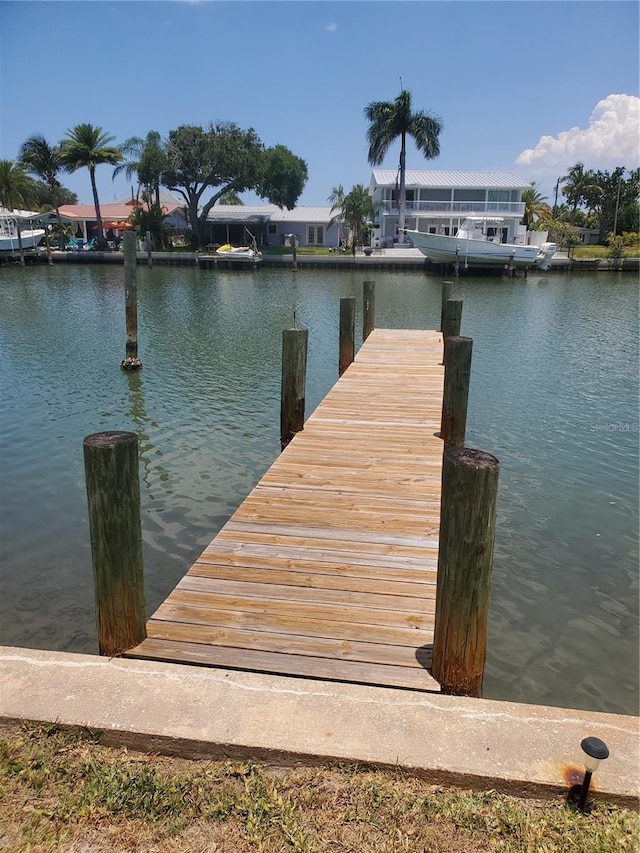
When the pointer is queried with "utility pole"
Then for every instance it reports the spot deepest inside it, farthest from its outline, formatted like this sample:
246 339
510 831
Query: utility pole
555 201
615 218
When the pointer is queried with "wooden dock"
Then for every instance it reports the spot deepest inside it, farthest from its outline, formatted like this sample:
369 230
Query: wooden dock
328 568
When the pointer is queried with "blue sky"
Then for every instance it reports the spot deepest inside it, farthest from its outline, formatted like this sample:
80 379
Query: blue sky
558 80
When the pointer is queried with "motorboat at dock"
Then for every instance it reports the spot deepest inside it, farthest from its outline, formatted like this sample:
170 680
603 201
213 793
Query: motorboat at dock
477 243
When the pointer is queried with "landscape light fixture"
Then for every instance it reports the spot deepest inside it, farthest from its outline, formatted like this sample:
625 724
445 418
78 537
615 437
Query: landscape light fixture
595 751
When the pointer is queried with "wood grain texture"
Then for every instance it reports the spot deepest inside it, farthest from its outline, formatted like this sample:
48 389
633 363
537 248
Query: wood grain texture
328 568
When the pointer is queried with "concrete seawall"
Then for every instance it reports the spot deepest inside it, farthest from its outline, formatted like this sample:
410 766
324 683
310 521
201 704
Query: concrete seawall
388 259
200 712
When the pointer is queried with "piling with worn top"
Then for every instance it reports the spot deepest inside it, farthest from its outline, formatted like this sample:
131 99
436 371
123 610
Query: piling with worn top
131 360
347 332
452 318
294 371
465 559
447 293
457 374
113 496
368 308
148 242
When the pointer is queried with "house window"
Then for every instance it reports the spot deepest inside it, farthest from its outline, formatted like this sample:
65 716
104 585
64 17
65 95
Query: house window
315 235
272 228
499 195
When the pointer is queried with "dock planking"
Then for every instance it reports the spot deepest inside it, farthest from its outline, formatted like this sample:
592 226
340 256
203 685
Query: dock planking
328 568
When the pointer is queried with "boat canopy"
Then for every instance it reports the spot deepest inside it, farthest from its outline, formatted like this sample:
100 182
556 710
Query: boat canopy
20 214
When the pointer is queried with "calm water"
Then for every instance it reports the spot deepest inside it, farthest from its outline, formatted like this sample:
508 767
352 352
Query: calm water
554 396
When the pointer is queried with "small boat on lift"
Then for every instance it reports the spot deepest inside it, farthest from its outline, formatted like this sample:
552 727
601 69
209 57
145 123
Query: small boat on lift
10 222
477 243
240 253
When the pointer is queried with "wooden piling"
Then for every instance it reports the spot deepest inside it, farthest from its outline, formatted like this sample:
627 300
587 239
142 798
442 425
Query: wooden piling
368 308
467 532
113 495
452 318
294 370
347 332
20 244
147 242
447 293
131 360
457 373
295 252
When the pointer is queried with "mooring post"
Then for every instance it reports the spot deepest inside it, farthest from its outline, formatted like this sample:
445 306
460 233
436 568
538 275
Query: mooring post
295 251
456 268
294 370
147 240
113 495
457 373
465 559
131 360
451 320
447 293
368 308
20 246
347 332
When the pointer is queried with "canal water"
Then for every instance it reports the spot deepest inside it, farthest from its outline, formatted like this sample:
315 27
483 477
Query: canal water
554 395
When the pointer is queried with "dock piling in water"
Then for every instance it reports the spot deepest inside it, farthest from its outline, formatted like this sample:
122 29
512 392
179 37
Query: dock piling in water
465 560
368 308
347 332
447 293
131 360
113 497
294 371
457 374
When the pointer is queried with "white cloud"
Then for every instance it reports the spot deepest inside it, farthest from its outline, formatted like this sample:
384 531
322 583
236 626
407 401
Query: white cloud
611 139
331 28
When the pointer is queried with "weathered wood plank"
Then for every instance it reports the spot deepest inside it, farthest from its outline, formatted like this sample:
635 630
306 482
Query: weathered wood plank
328 568
284 664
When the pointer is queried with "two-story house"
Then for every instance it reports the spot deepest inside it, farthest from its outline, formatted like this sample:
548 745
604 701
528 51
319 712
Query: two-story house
438 201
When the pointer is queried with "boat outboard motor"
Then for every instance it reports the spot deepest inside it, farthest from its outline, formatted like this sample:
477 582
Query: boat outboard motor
547 250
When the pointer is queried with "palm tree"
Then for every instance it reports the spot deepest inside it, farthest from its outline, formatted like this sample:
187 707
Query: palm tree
17 188
148 160
535 206
44 161
580 184
390 120
230 197
357 212
84 147
336 197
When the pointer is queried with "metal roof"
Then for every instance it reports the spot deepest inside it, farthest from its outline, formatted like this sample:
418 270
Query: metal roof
268 212
454 179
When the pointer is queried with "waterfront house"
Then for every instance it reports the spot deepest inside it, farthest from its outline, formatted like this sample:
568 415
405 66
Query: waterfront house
82 217
272 225
438 201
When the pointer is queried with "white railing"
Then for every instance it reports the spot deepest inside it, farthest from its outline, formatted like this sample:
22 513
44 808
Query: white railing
457 208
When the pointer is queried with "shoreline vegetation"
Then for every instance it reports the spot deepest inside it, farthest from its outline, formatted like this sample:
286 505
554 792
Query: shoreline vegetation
61 790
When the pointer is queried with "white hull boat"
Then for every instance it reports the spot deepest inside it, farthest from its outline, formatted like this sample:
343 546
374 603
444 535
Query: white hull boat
476 244
30 237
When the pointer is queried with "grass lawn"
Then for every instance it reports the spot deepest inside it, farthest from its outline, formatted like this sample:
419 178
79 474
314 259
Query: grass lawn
62 791
601 252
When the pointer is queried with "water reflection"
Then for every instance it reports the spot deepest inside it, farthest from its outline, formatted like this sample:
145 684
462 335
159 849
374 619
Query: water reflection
553 395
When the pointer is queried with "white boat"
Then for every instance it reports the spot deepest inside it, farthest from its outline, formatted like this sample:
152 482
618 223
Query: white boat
241 253
9 221
477 243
